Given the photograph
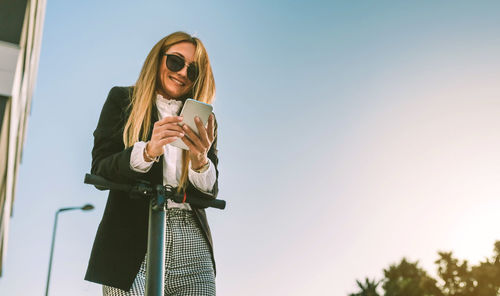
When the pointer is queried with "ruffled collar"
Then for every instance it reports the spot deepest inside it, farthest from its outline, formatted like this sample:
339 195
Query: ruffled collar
167 107
160 98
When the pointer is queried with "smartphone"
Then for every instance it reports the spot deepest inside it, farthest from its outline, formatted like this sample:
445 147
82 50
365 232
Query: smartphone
191 109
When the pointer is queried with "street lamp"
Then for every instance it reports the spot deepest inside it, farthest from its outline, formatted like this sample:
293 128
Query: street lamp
86 207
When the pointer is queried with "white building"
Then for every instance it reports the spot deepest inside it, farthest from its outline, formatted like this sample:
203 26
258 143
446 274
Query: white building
21 23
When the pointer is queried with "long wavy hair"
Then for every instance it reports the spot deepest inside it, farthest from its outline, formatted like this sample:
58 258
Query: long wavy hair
141 105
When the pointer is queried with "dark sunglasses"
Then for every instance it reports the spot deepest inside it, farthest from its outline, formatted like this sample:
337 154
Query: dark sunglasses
176 63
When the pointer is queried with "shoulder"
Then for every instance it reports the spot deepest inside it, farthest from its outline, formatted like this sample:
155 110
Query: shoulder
118 100
121 90
116 106
120 94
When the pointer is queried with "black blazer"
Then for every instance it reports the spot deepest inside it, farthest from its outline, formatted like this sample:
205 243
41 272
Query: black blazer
121 239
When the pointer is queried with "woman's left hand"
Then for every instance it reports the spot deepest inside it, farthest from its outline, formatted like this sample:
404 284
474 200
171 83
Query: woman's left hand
199 145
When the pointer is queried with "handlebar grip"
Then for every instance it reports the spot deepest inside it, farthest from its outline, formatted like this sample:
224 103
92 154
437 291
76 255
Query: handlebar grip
219 204
201 202
103 184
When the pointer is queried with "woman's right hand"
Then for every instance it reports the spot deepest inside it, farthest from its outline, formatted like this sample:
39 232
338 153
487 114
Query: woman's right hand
165 131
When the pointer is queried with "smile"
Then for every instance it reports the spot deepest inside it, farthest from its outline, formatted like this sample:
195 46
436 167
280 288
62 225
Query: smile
178 82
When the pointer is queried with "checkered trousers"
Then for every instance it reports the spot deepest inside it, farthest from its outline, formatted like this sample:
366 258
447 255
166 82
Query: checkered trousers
188 261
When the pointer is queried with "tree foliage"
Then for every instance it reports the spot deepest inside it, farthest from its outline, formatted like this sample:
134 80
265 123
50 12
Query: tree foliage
456 278
369 288
407 279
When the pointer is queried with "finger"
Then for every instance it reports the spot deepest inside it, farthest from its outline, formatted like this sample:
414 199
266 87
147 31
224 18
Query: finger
193 137
171 126
190 144
202 131
211 127
160 131
169 119
169 133
167 140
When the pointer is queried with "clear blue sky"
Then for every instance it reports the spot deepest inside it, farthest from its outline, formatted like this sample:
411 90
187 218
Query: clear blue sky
351 134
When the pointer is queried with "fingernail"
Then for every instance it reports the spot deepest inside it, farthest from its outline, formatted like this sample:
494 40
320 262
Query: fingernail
181 135
197 119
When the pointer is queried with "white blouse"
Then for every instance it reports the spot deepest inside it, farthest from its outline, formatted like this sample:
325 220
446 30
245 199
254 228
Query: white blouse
172 160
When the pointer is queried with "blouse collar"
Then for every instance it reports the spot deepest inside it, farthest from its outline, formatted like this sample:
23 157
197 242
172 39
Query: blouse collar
168 104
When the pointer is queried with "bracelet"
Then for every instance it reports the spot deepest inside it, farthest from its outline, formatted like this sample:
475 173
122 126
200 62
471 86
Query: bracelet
203 168
155 159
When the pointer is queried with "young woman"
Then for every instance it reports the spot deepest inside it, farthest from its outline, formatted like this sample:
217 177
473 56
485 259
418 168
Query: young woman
131 142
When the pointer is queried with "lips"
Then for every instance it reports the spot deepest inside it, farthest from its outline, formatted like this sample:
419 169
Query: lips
177 81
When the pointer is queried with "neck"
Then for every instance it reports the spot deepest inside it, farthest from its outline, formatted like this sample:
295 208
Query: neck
163 94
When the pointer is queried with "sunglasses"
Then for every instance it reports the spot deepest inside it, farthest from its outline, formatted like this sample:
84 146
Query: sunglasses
176 63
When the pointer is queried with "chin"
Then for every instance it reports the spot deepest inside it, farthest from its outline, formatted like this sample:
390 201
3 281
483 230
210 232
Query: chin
179 94
173 92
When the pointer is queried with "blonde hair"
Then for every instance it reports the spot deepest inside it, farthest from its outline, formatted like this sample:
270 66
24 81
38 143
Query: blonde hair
141 109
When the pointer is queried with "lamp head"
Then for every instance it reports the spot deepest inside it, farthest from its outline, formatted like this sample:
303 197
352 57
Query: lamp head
87 207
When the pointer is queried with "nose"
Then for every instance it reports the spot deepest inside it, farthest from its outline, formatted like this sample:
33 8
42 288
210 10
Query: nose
183 71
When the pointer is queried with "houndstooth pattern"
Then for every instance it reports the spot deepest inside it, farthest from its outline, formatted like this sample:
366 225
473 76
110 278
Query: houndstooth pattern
188 261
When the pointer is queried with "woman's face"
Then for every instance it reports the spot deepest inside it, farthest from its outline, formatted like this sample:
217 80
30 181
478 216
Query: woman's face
176 84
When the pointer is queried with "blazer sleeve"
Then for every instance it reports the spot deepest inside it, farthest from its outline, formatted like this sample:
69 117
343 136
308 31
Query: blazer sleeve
109 158
212 155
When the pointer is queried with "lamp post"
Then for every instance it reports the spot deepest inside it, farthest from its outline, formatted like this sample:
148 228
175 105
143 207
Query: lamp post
86 207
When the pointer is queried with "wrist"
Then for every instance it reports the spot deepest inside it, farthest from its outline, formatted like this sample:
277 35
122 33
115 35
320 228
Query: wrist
147 156
201 168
